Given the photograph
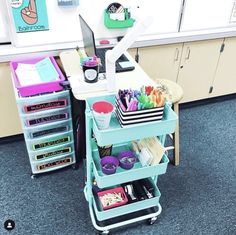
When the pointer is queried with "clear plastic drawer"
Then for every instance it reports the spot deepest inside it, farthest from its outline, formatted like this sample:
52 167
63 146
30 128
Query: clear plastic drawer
53 164
49 153
43 102
42 118
50 141
47 129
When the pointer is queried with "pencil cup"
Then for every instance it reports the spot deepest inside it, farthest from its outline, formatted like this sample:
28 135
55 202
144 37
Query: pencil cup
91 73
105 150
102 111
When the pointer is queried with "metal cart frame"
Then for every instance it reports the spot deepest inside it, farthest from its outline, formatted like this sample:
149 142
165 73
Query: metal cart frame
117 135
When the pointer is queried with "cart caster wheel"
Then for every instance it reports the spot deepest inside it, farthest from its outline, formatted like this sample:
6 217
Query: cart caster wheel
33 176
74 167
152 220
104 232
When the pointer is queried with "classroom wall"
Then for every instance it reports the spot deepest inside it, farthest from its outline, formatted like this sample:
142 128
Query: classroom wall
64 22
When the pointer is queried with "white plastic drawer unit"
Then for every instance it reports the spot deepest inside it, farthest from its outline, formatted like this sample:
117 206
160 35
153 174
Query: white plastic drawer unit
44 117
51 153
49 141
47 129
55 100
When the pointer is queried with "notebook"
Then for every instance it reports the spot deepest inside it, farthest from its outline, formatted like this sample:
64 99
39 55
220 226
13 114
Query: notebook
122 64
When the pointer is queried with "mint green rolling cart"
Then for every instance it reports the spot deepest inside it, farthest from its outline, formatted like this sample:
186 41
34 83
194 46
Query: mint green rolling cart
120 138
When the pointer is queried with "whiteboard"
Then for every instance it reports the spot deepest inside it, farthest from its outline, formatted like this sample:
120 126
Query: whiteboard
64 21
206 14
4 30
165 14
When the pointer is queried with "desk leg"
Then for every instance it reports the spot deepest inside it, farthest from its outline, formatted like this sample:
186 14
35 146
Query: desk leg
79 129
176 137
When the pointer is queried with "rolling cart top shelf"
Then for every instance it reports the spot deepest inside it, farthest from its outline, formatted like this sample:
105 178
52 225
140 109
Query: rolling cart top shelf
117 134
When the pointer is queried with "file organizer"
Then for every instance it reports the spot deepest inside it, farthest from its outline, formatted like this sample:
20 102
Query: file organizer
48 130
121 138
35 89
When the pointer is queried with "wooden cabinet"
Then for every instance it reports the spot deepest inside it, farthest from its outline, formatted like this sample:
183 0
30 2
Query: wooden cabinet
192 65
9 119
160 61
197 68
225 77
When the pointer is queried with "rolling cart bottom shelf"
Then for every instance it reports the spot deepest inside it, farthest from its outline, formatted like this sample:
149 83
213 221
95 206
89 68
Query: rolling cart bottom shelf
103 227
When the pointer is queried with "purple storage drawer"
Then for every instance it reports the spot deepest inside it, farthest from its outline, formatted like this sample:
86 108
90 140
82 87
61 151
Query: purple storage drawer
39 88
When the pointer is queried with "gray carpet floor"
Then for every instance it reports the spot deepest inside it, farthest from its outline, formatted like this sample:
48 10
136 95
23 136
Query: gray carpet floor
198 197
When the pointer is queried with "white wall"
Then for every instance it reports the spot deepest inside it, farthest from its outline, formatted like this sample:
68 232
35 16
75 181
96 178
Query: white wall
206 14
64 22
4 26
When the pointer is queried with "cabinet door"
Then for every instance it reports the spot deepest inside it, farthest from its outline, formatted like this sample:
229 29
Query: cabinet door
9 119
225 77
198 65
161 61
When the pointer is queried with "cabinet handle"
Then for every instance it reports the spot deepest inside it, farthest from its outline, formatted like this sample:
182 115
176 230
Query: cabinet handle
176 54
187 53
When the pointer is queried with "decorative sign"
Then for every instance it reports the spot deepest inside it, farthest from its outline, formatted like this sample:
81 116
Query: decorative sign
54 164
53 153
52 118
29 15
51 143
44 106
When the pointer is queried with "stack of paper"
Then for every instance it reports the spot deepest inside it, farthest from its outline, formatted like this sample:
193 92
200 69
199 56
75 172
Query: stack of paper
41 72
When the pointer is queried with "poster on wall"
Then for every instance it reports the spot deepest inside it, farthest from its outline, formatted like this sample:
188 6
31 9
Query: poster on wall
29 15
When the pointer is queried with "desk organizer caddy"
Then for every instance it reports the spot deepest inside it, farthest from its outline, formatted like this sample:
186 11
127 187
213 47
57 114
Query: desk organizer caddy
46 123
40 88
121 139
111 24
127 118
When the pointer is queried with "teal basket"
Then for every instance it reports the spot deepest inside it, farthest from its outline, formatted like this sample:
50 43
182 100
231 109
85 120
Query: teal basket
121 175
111 24
127 208
117 134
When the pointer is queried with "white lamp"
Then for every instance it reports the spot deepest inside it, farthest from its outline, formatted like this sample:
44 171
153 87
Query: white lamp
112 55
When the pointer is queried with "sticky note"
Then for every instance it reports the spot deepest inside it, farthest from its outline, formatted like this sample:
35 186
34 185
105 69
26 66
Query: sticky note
125 64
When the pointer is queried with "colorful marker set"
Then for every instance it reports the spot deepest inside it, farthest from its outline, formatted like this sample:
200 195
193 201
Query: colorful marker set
148 97
90 61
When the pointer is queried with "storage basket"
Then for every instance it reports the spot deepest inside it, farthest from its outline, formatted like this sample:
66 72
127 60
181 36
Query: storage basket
39 88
